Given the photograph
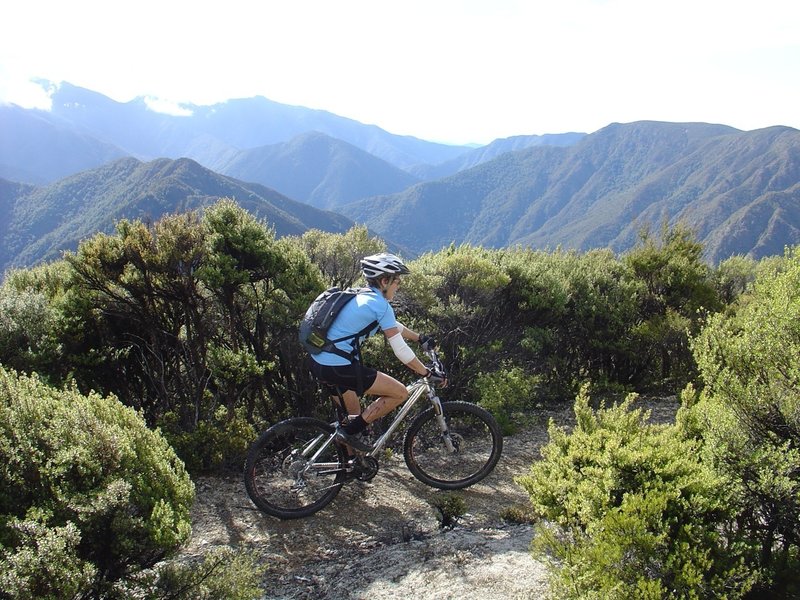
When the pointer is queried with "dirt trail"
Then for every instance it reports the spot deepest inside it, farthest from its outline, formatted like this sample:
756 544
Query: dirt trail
382 540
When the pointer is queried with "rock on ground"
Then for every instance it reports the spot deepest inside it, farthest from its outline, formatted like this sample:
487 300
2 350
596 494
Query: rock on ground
383 540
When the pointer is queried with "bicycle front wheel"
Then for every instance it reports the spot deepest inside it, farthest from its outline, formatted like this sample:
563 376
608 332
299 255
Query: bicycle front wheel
281 478
455 451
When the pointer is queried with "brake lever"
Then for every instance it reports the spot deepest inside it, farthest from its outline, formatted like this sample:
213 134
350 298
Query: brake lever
434 356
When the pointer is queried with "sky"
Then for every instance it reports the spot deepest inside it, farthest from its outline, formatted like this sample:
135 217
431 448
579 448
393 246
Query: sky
448 71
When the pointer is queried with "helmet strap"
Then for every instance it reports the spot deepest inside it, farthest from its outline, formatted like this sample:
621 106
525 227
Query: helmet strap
385 281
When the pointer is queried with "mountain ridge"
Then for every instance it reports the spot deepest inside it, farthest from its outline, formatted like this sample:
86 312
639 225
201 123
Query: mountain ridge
44 221
203 132
211 135
737 189
331 173
604 189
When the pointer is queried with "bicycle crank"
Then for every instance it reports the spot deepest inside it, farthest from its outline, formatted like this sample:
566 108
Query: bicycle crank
364 468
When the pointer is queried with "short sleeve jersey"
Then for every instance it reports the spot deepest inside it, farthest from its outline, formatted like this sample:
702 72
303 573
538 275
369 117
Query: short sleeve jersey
355 316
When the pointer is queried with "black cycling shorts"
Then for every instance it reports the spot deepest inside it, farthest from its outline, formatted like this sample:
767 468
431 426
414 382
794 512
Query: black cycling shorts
344 376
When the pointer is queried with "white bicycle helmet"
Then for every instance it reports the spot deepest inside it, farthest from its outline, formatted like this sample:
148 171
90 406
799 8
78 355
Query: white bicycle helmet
377 265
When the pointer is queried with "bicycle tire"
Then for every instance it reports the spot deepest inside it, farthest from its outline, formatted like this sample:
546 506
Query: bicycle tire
273 474
477 439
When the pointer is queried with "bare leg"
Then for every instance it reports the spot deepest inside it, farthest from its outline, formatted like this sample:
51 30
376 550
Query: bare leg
352 404
392 394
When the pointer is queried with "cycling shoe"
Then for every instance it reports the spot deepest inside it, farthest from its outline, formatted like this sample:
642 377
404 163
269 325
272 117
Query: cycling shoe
351 440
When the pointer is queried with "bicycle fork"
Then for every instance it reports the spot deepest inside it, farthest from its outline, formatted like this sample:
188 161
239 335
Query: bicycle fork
437 408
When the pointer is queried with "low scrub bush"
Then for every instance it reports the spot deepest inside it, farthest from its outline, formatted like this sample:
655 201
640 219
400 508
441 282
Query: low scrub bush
450 508
222 573
749 417
220 442
88 494
508 394
628 510
519 514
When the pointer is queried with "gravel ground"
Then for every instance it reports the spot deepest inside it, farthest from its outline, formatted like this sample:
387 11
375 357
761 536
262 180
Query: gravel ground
383 540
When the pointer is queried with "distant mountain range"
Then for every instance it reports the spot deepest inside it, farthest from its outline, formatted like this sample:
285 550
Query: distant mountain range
309 155
37 223
72 171
208 134
740 191
38 147
318 169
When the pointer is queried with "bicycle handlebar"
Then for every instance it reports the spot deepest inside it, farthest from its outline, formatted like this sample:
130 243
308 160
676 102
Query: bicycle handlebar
436 361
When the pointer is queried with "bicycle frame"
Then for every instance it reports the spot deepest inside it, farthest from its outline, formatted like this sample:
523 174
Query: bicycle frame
415 392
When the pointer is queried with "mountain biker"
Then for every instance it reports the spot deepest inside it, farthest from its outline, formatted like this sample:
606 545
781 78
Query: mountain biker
352 377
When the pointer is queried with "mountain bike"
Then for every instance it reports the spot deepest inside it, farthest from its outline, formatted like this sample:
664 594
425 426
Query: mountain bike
297 467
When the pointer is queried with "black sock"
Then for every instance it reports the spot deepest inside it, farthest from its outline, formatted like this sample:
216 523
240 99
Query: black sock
357 425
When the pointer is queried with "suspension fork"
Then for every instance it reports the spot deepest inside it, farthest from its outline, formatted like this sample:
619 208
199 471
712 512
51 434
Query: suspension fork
439 411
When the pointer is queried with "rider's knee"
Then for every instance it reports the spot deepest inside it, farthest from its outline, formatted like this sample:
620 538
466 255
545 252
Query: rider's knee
398 390
403 393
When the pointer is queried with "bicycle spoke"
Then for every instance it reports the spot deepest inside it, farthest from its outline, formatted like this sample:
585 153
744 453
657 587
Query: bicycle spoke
472 452
278 476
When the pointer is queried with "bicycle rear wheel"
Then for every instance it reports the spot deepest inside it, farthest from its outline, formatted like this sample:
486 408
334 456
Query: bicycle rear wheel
475 446
278 475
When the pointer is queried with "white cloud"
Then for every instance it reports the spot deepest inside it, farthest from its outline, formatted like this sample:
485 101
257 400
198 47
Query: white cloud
16 88
167 107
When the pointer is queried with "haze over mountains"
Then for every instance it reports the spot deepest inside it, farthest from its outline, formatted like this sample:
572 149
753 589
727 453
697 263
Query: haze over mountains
72 171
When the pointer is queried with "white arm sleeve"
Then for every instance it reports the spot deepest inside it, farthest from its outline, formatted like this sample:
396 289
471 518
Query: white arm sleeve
401 349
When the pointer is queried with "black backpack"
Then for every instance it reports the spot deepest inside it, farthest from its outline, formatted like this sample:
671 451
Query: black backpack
320 316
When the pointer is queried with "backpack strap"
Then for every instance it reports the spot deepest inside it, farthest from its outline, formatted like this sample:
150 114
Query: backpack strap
354 357
355 354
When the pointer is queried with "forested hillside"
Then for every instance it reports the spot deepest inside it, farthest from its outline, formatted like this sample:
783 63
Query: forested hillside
739 190
43 221
319 170
491 151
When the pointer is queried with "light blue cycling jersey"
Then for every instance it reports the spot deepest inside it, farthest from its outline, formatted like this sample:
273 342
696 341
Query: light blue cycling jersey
355 316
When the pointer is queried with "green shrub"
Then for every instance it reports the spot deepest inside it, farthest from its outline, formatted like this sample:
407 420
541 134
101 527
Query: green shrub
629 511
749 416
28 322
519 514
222 573
220 442
87 485
451 507
44 563
678 288
507 394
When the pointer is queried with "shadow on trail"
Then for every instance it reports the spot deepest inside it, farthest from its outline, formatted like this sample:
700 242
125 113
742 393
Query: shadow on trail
373 536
